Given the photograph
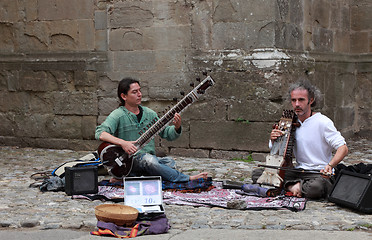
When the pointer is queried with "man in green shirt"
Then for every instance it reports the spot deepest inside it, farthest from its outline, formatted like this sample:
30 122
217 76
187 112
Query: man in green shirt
123 126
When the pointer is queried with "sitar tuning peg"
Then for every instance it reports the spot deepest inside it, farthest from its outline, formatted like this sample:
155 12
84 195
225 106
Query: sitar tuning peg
198 79
205 73
182 93
192 84
175 99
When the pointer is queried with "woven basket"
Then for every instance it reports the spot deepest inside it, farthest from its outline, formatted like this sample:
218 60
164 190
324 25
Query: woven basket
116 213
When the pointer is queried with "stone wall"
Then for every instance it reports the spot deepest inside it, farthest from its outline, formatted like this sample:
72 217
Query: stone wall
61 60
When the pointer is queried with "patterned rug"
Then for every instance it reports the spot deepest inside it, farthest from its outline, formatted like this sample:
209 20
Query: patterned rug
229 198
215 197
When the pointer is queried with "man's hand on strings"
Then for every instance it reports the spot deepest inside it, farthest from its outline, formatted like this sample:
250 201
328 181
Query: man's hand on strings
275 133
129 147
177 121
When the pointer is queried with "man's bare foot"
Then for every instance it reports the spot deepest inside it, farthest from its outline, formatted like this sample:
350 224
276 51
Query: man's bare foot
200 175
295 189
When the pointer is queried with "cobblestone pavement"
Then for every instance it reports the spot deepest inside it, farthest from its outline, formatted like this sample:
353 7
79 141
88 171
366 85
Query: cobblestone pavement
22 207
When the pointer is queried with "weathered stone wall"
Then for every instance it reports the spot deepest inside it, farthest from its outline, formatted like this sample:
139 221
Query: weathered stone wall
61 60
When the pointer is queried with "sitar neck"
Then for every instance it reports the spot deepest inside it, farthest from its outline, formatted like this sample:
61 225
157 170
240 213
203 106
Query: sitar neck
160 124
163 122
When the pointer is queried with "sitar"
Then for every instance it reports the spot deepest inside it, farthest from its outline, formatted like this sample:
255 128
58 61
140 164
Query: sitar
119 163
281 152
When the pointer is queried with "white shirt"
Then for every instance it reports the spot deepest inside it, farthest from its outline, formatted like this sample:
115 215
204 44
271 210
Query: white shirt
316 138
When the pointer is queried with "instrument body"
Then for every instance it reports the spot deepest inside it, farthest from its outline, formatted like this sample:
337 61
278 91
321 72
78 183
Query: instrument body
118 162
281 151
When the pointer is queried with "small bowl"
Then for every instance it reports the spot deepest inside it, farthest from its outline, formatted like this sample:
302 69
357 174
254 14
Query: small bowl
116 213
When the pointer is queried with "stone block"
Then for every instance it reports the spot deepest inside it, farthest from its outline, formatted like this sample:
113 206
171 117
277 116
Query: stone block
363 93
14 102
134 61
171 12
127 40
289 36
107 87
365 122
88 127
9 11
296 11
260 157
52 143
100 20
39 103
85 78
11 141
75 103
65 9
229 135
8 40
37 81
32 125
321 13
323 39
107 105
340 18
344 117
359 42
206 110
201 26
248 11
131 15
167 38
86 35
361 17
78 144
69 127
171 61
187 152
101 40
9 80
7 124
241 35
182 142
342 42
31 10
164 85
219 154
254 110
349 86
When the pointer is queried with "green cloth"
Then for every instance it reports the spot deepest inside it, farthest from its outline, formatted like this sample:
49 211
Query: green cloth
123 124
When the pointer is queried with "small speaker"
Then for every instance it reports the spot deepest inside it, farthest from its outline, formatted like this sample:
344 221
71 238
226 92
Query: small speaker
81 180
353 190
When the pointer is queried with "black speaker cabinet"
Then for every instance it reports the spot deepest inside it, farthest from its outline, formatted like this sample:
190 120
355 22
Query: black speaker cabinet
81 180
353 190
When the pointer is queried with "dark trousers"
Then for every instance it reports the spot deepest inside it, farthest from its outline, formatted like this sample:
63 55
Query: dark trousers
313 186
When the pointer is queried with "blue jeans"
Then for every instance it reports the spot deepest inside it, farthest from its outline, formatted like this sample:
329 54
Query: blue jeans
150 165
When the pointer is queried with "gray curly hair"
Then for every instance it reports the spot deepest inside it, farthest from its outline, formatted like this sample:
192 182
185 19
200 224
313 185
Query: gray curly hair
313 92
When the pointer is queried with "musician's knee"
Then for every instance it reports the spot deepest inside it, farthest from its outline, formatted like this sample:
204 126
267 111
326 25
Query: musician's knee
315 188
149 160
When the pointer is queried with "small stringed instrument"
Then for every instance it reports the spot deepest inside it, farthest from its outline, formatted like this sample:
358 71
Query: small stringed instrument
281 152
118 162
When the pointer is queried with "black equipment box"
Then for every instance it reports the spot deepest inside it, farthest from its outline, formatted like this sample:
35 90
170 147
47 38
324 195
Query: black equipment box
353 190
81 180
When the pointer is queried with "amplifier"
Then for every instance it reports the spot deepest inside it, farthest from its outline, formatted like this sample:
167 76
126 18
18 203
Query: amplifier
81 180
353 190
